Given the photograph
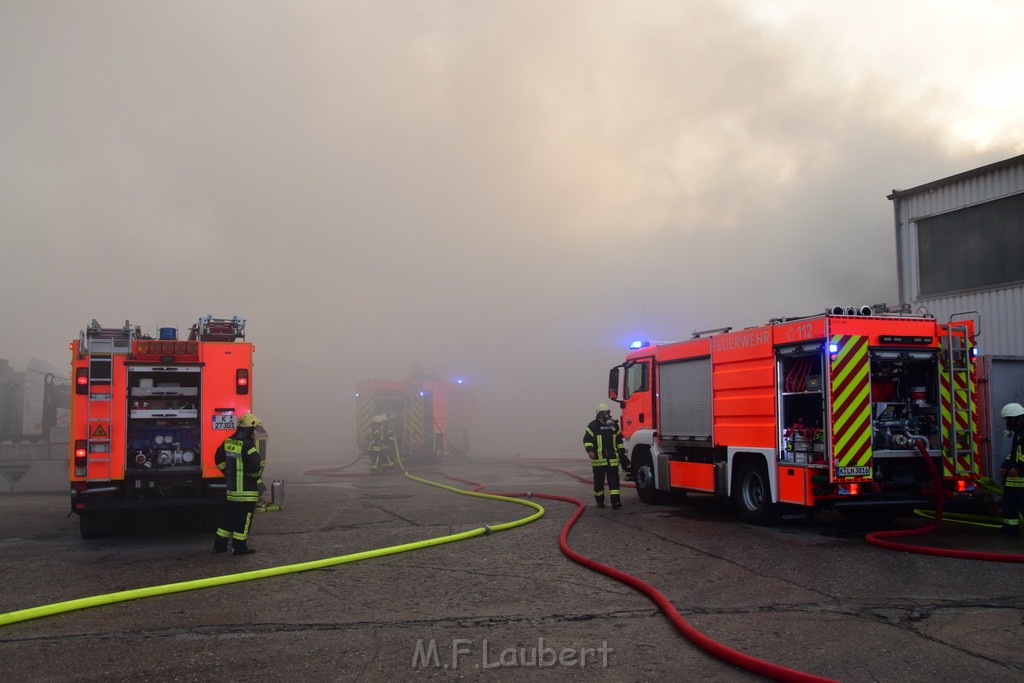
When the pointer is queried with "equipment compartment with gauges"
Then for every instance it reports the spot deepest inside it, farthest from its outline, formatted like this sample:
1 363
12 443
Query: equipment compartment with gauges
163 416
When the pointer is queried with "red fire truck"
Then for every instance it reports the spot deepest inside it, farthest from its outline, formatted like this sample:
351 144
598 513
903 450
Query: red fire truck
429 415
147 416
807 412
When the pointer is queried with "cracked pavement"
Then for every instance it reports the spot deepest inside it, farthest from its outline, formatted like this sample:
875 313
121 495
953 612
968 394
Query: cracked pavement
809 595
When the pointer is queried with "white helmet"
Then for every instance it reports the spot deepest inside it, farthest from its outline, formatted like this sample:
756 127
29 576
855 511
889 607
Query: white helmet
376 418
1011 410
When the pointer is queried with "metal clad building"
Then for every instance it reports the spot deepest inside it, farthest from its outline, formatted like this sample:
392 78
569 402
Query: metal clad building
960 248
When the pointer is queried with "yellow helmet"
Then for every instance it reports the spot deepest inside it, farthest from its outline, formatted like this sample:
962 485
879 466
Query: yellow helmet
249 420
603 407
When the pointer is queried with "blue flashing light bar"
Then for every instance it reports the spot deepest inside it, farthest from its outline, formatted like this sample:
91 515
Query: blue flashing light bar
639 344
833 347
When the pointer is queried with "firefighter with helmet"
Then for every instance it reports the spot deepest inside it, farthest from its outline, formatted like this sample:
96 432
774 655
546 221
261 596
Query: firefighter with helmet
382 442
603 443
1012 469
240 461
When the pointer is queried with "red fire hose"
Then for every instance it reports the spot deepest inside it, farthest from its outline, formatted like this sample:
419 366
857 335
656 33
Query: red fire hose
879 538
712 647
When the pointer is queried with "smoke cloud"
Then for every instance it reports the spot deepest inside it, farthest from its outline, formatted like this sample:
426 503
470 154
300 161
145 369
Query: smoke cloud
507 192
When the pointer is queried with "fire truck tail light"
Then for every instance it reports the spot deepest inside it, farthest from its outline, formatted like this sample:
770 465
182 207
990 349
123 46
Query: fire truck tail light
848 489
82 381
81 451
241 381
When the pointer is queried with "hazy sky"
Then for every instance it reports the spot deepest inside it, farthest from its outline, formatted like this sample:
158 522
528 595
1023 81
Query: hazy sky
506 191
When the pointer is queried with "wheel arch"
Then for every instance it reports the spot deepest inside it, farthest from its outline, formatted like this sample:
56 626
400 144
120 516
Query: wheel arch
741 456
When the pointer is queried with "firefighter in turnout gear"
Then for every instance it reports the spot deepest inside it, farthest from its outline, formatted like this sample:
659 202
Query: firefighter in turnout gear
382 442
1012 469
603 443
240 461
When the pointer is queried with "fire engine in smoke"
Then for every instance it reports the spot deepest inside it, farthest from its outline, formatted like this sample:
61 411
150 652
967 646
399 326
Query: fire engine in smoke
808 412
147 416
429 415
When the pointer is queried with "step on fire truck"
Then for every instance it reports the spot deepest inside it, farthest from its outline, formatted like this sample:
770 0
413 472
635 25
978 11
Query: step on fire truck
147 416
810 412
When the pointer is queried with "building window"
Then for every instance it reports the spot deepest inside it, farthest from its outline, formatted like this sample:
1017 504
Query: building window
980 246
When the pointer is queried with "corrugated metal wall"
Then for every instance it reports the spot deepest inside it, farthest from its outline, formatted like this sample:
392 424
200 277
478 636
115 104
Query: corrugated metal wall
1001 310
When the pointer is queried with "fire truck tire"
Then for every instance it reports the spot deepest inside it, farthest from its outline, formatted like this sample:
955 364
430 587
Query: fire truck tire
96 524
752 493
643 477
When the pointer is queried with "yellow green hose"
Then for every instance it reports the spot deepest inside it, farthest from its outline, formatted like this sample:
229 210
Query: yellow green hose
196 584
963 518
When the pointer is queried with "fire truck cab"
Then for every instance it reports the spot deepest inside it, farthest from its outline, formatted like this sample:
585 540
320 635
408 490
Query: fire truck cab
148 414
818 411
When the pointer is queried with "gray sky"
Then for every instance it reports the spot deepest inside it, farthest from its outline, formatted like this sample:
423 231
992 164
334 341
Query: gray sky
503 191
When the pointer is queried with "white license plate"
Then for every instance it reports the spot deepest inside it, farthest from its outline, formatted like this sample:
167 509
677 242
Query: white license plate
853 471
226 421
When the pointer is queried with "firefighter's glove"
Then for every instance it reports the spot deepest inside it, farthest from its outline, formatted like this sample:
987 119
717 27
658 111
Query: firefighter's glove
261 487
626 464
591 454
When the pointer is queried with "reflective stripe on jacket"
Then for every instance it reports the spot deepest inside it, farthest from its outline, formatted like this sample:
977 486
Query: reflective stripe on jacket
1014 459
606 441
239 459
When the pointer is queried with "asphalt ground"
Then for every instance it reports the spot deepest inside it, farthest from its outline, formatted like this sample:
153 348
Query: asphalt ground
810 595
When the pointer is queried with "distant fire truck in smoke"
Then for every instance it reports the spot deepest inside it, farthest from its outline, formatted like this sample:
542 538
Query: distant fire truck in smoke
428 415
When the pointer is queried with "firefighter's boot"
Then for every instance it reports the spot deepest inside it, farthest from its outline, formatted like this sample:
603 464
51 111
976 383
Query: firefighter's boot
220 545
616 502
242 548
599 499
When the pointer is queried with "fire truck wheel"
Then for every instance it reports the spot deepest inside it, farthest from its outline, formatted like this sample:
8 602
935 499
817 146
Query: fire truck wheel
752 493
643 476
96 524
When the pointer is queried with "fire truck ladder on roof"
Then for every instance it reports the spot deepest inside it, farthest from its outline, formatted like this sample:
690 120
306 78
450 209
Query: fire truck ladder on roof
962 428
101 345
